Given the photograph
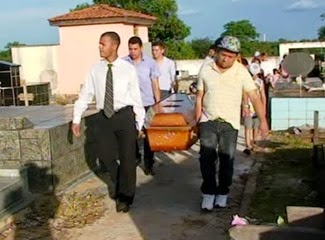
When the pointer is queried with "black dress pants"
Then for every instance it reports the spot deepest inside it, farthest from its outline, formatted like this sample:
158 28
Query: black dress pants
148 155
116 141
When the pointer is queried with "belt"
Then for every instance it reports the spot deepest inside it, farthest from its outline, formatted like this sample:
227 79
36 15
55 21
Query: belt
219 119
123 109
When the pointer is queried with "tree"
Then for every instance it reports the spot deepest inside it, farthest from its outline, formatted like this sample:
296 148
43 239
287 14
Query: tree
243 30
167 26
6 54
14 44
321 33
80 6
201 46
321 30
180 50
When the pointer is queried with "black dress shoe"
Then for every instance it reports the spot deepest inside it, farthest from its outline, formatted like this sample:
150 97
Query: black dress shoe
149 171
122 206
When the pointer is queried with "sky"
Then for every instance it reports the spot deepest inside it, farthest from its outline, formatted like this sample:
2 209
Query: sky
26 21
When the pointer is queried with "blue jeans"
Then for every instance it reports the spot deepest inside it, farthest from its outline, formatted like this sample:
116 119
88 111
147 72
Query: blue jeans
218 140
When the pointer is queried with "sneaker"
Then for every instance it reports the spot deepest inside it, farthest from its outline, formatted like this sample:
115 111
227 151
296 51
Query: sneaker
221 201
207 202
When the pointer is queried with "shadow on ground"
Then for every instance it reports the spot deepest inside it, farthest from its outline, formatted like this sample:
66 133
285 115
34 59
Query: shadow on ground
34 221
167 205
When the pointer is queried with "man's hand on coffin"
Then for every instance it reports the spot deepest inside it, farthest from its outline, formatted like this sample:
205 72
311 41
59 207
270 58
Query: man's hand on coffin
141 134
75 129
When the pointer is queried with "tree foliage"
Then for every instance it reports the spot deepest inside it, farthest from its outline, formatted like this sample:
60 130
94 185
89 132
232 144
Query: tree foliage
201 46
5 55
80 6
246 32
242 29
167 26
321 30
180 50
321 33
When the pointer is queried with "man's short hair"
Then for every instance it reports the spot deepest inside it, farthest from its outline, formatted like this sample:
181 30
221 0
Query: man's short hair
113 36
213 47
159 44
244 61
135 40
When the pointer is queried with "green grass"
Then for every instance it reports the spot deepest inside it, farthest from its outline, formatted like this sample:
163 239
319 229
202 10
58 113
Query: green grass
286 179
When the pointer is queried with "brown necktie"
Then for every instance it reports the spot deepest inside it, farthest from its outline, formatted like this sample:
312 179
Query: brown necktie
109 95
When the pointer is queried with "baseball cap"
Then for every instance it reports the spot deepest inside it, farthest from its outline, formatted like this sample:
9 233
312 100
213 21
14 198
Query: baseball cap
229 43
254 68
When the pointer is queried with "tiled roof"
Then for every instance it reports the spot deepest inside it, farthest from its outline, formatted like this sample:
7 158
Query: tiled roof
102 13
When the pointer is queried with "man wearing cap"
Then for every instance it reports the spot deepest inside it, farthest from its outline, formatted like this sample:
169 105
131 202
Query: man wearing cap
218 105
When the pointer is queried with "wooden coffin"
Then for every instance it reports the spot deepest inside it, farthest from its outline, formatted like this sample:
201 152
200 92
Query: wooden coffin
171 124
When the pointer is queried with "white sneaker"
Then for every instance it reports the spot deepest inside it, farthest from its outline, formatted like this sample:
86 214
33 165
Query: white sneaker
208 202
221 201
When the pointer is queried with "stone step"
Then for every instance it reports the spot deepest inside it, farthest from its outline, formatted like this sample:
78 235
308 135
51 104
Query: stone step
263 232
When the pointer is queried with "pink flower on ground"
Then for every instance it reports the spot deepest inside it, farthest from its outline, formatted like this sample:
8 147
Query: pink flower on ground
238 221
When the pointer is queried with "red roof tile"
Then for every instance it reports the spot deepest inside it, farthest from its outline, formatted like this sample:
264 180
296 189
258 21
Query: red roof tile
101 13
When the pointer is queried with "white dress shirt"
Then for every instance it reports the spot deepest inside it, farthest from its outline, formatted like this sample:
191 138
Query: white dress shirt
125 87
167 73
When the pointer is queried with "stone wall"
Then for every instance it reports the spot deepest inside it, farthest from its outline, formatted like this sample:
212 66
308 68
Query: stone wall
43 143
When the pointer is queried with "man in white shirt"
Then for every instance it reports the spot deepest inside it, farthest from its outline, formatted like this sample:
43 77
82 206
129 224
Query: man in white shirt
114 84
167 69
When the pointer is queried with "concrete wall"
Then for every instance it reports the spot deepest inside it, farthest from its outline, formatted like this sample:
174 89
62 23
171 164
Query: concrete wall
295 112
193 66
142 33
284 48
66 65
79 50
38 64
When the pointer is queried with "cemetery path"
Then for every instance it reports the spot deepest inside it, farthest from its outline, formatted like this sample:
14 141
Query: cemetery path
167 205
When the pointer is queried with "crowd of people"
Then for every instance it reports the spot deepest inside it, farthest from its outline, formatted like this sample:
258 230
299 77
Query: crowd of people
265 80
126 87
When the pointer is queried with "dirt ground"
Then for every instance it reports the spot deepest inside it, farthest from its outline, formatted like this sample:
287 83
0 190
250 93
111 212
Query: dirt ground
166 207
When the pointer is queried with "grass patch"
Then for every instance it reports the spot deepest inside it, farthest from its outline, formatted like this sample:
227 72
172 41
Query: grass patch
286 179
